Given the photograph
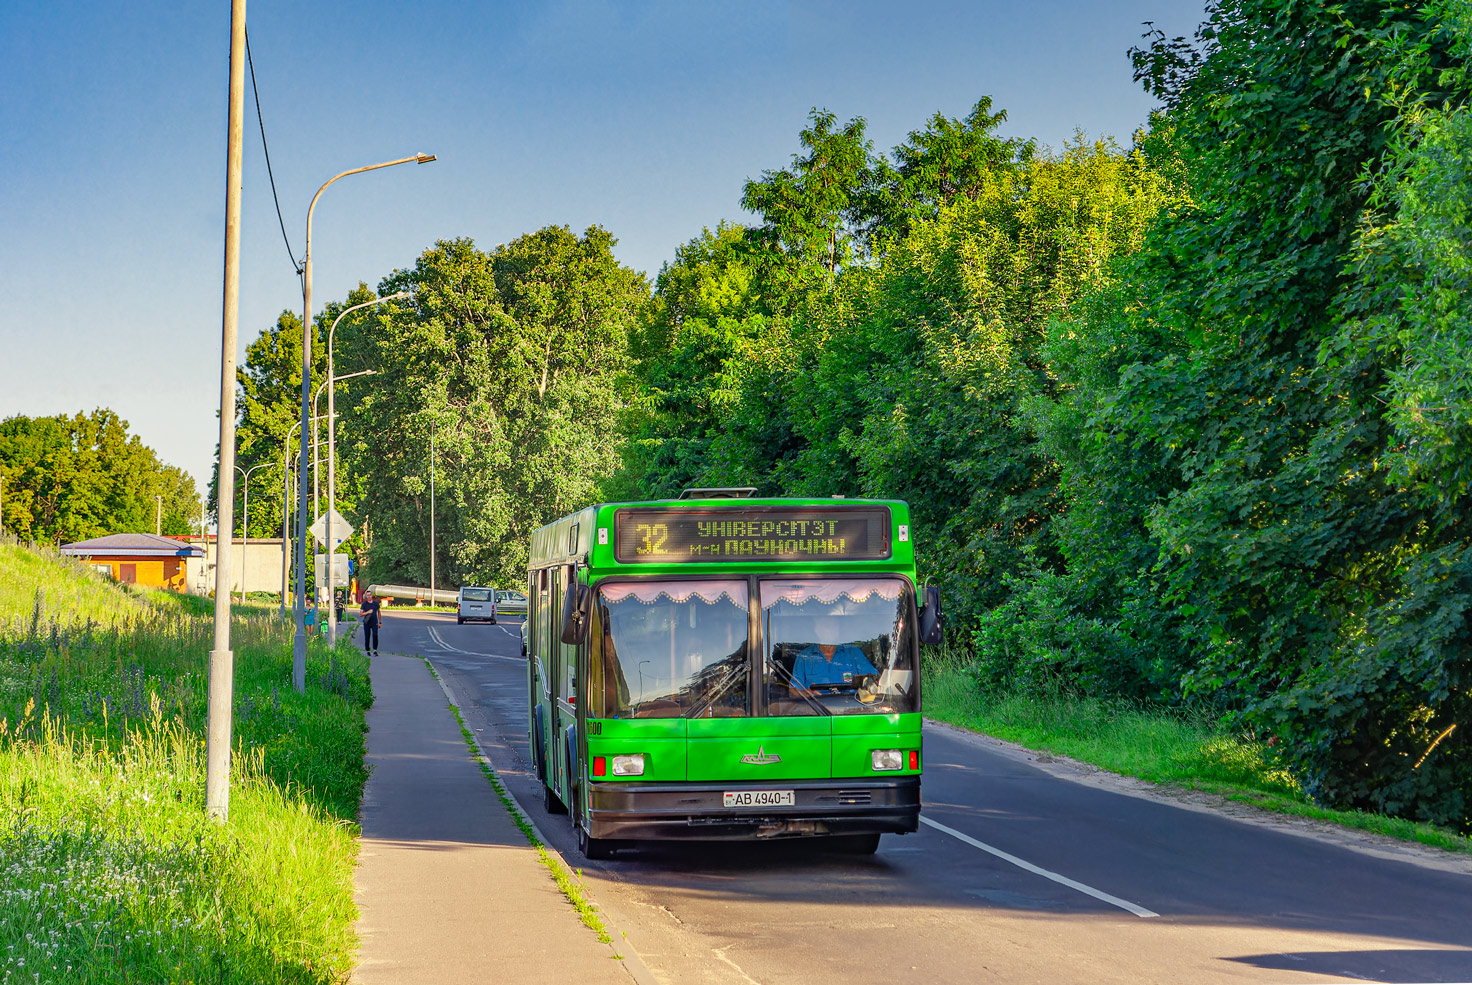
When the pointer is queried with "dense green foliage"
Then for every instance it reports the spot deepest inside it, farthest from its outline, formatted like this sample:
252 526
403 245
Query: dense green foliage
904 376
506 364
112 869
1182 422
73 478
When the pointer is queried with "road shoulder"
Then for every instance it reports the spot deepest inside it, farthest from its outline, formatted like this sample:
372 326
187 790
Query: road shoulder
1202 801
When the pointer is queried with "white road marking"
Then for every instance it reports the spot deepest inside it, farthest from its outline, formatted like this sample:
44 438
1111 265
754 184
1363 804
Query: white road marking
440 642
1021 863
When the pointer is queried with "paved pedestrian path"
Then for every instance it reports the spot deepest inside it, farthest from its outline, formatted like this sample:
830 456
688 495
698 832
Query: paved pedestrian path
448 889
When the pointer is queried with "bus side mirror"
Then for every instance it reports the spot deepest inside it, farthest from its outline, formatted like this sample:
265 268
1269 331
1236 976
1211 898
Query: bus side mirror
932 625
574 618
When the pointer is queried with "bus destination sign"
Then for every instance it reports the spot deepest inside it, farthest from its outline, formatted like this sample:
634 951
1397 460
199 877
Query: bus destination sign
859 533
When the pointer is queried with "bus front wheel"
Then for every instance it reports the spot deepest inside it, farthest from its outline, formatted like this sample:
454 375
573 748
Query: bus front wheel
593 849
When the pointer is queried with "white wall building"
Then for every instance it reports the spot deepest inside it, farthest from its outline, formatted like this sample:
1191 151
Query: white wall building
256 565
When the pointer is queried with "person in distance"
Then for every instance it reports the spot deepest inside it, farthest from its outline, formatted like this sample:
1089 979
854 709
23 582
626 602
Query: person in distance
370 613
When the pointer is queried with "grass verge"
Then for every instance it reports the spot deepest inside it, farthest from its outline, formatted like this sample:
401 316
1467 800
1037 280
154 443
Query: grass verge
566 881
1174 748
111 871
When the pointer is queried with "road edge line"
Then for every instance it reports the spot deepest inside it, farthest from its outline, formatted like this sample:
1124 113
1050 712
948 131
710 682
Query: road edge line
442 644
1023 863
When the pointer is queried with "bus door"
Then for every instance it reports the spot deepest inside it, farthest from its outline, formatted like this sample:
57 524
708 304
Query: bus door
562 674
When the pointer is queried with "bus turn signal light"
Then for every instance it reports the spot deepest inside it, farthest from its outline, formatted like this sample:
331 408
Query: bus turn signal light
600 766
914 759
629 765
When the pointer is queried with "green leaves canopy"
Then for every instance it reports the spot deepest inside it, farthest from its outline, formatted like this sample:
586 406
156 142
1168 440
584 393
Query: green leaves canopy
511 362
74 478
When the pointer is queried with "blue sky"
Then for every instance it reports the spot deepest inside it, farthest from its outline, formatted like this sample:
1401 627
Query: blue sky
644 118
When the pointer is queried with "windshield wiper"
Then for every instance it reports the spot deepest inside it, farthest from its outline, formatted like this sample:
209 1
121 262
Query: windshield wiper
798 689
731 675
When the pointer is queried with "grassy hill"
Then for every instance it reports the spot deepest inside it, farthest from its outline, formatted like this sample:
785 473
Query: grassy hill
42 585
112 870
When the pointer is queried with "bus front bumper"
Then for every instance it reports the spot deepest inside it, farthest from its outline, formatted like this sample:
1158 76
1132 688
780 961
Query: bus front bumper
696 811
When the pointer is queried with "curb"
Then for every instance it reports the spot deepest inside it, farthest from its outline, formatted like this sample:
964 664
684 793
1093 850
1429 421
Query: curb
631 960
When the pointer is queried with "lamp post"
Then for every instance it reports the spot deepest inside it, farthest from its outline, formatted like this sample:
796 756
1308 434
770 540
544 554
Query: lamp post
245 522
316 440
286 509
299 642
327 385
316 462
286 473
332 459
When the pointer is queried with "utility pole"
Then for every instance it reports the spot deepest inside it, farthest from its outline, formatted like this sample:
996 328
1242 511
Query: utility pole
222 660
431 519
158 516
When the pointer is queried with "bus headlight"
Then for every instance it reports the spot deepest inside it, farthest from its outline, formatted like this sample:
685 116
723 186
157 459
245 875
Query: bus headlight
887 759
633 765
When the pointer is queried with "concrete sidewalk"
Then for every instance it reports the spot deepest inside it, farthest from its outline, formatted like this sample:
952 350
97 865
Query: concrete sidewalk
448 889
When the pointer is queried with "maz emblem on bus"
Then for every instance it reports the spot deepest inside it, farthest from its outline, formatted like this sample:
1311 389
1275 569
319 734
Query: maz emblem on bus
760 758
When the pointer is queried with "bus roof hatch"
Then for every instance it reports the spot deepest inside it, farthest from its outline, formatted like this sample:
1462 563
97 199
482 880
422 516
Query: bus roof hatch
720 492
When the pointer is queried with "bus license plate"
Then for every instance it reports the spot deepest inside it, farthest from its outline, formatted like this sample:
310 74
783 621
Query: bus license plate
757 798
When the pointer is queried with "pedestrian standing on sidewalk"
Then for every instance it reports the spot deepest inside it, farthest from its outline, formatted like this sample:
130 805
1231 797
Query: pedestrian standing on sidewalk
370 613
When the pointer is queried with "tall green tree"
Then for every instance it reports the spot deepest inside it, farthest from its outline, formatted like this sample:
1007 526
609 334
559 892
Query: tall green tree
919 374
688 345
74 478
946 160
1311 588
810 211
512 363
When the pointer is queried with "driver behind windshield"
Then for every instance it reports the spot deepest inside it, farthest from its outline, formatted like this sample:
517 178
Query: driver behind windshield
829 663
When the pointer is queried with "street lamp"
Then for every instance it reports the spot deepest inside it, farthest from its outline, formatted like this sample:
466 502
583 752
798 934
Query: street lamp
317 443
299 642
332 458
329 549
286 473
286 509
244 524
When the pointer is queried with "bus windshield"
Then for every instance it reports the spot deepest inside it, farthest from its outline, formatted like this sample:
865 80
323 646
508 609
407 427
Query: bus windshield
670 649
837 646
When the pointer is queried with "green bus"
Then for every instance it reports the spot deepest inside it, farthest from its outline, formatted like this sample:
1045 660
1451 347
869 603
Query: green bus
719 667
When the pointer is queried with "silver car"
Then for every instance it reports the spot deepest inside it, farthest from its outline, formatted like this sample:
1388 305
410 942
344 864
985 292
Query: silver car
510 602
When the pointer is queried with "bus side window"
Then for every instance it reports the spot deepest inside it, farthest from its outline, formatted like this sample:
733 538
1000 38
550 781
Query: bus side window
531 617
567 656
539 628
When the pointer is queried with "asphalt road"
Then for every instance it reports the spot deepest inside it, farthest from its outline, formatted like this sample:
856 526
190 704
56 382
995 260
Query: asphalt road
1022 871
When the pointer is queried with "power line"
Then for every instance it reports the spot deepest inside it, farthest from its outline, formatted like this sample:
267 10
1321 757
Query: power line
255 92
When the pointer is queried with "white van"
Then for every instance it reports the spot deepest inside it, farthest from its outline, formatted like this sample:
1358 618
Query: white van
476 603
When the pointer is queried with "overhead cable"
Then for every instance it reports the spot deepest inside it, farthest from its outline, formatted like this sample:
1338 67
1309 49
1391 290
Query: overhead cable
294 265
